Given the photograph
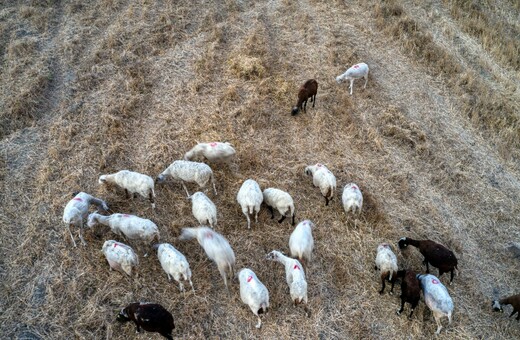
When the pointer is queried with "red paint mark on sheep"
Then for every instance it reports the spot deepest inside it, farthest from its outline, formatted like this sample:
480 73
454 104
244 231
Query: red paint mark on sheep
249 278
209 235
296 267
435 281
126 215
213 144
77 199
354 187
318 165
356 66
115 245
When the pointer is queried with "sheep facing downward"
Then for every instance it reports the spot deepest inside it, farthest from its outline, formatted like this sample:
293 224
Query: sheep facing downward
253 293
132 182
151 317
386 263
279 200
324 179
513 300
308 90
216 152
250 198
357 71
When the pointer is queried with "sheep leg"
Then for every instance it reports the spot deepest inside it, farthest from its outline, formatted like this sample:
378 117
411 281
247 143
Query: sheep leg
186 189
224 276
293 219
135 195
313 100
150 197
513 313
248 220
271 210
383 277
305 105
72 237
281 220
137 328
392 288
427 267
438 320
413 307
259 324
402 306
451 277
366 80
326 201
81 234
126 194
351 85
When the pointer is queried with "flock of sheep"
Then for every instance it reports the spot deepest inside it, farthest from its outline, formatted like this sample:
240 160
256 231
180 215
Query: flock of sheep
154 318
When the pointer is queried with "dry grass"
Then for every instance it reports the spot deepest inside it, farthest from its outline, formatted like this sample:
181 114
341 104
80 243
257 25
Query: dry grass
96 87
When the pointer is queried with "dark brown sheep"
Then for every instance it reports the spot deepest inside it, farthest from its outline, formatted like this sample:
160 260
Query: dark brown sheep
434 253
308 90
513 300
151 317
410 289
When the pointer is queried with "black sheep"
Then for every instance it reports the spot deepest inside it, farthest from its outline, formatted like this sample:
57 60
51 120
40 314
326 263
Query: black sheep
151 317
434 253
410 289
308 90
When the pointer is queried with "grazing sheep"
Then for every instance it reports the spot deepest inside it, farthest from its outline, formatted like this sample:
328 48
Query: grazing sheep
253 293
352 198
357 71
174 263
301 242
203 209
217 248
437 298
386 263
410 289
250 199
308 90
187 171
151 317
324 179
130 226
132 182
76 212
281 200
294 275
120 257
434 253
513 300
214 152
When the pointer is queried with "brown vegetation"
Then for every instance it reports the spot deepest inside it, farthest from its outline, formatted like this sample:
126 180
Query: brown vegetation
91 87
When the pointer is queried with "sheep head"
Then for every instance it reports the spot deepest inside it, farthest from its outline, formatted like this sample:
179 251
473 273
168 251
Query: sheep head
496 306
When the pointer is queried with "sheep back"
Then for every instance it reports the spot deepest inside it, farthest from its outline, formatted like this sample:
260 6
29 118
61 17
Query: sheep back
120 256
436 295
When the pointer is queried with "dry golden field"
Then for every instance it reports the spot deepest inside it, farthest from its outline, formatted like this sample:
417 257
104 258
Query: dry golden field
93 87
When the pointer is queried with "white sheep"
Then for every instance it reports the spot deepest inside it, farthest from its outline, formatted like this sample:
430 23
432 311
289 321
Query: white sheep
253 293
133 183
386 263
323 178
281 200
357 71
213 152
76 211
120 256
203 209
294 275
352 198
250 198
174 263
437 298
301 242
130 226
187 171
217 248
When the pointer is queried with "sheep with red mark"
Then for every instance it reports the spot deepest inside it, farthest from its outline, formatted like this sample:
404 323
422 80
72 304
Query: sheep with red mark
203 209
253 293
301 242
191 172
76 211
279 200
434 253
151 317
410 290
357 71
216 246
174 263
216 152
250 198
513 300
386 263
323 178
437 298
294 275
120 256
130 226
352 198
308 90
133 183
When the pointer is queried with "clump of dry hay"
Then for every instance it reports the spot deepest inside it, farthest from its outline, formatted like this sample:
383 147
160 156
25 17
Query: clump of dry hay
135 84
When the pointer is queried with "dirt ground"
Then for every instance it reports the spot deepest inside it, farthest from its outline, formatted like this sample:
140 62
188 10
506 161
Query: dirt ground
93 87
